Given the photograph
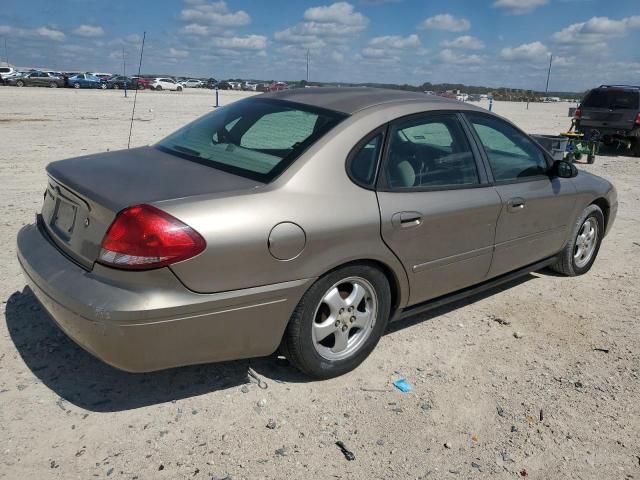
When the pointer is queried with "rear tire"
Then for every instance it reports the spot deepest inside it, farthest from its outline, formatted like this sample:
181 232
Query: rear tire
19 83
116 87
179 89
76 85
53 85
353 304
581 251
635 147
159 87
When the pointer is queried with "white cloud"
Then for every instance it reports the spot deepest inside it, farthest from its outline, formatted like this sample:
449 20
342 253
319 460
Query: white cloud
446 22
465 42
195 29
595 30
395 41
335 23
89 31
49 33
374 52
46 33
342 13
519 7
449 56
175 53
249 42
214 14
535 51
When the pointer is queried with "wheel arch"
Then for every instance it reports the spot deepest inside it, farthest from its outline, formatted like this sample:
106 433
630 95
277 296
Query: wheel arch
396 286
603 204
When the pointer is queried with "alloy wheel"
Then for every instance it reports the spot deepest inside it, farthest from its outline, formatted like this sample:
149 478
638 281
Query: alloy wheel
344 318
586 242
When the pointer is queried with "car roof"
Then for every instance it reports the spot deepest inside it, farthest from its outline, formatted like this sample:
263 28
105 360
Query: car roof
619 87
350 100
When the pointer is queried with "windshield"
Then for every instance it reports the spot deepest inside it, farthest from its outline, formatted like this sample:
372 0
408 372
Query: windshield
255 138
612 99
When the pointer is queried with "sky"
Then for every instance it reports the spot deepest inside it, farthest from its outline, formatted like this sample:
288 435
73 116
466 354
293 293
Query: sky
475 42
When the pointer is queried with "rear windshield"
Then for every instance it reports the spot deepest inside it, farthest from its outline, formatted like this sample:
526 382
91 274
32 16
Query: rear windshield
255 138
613 99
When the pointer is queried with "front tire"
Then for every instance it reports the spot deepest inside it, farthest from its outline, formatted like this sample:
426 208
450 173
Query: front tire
179 89
53 85
19 83
581 251
159 87
338 321
76 85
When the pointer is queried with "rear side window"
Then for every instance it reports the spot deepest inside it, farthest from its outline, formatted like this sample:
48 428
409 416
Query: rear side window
256 138
430 151
614 99
511 154
363 162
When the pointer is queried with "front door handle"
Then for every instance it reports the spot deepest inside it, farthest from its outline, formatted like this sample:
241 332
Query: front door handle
516 204
406 219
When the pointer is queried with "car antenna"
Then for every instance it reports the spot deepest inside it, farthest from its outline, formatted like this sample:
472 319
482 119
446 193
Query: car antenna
135 95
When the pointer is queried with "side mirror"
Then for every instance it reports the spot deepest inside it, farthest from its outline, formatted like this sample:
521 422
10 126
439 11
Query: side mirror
564 169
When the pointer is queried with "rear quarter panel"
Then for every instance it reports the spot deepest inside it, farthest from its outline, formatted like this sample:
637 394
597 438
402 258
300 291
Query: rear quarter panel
341 221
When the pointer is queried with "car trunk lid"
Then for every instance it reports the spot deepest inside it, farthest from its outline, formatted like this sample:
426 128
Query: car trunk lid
84 194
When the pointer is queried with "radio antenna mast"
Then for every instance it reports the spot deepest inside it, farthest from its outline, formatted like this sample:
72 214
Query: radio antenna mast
135 96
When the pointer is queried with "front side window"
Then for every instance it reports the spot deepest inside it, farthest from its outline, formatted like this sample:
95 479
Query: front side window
430 152
256 138
511 154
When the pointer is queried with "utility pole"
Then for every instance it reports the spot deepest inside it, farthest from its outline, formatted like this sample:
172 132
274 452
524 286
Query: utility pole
546 90
307 65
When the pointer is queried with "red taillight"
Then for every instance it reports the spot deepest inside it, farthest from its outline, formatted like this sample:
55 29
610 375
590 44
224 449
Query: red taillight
578 114
638 119
143 237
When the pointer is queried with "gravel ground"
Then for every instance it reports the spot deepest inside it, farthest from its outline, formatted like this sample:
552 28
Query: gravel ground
561 401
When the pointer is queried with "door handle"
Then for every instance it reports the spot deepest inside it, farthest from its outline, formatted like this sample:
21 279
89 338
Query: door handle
516 204
406 219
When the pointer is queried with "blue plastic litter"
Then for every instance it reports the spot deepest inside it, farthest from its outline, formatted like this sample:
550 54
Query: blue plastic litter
402 385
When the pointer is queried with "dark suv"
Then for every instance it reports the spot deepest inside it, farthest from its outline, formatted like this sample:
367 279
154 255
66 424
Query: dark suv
611 113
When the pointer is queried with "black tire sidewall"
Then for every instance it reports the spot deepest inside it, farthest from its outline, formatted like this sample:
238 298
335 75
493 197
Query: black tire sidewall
314 363
591 211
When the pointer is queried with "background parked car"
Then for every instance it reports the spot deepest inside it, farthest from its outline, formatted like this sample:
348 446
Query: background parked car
85 80
192 83
224 86
142 82
165 84
277 86
119 81
6 72
611 113
101 75
36 79
210 83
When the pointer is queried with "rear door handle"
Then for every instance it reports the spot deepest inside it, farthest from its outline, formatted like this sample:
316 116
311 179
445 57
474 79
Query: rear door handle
516 204
406 219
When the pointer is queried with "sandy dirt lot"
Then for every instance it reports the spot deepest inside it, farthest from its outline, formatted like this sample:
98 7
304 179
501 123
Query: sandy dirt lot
562 401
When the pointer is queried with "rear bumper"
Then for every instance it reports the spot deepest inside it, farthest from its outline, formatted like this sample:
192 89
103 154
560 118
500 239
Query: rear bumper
146 321
609 131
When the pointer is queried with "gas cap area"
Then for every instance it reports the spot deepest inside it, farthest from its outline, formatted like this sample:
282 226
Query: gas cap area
286 241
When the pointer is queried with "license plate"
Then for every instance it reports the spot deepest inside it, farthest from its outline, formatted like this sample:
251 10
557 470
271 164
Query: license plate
65 216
